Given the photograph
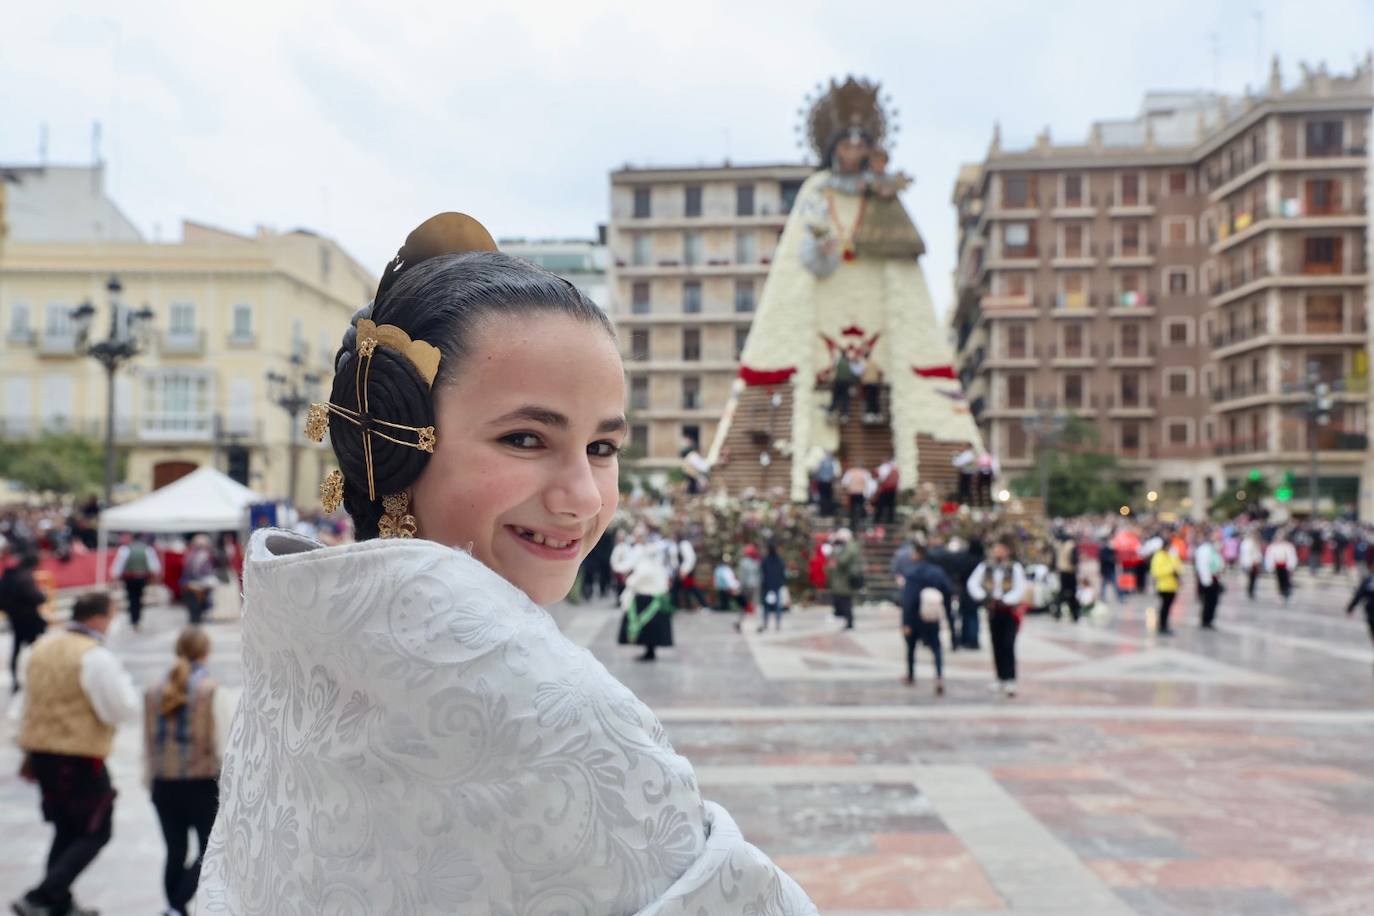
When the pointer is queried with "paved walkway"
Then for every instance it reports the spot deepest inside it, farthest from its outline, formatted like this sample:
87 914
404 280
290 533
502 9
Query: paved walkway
1216 773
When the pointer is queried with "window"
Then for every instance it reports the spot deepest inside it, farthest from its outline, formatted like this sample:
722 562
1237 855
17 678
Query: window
1130 191
741 338
641 203
691 345
691 248
639 437
1176 381
746 247
744 295
1178 182
1176 230
1321 255
1323 314
1178 432
691 392
1328 367
639 346
1130 240
1073 242
1017 284
641 256
297 338
243 322
790 190
639 297
1018 240
1073 390
639 392
692 433
1018 192
691 204
1323 197
1016 440
176 404
1016 389
1130 389
1073 190
58 320
744 200
1324 138
1130 339
1073 293
1073 340
1178 282
691 296
1176 332
1130 436
19 321
1016 341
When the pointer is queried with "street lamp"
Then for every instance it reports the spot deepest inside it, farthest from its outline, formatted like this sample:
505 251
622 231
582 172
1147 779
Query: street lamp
1046 428
293 394
125 341
1316 409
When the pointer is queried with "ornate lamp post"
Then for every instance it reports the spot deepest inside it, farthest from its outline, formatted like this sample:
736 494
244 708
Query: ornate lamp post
293 394
125 341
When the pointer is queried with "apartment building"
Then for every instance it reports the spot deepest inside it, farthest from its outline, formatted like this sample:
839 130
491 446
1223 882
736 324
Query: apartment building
582 262
689 252
227 309
1180 280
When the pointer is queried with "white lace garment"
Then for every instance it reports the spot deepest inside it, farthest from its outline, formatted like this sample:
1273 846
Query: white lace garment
415 736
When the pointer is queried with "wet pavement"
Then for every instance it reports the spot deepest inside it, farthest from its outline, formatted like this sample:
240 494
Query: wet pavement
1213 773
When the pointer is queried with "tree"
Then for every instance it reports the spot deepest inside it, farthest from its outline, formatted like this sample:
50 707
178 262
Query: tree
64 463
1082 478
1240 496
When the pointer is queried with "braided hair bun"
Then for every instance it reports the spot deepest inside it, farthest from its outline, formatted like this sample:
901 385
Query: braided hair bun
391 389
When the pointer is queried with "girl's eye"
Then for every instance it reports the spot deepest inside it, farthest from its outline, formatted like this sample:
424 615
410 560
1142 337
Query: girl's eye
603 449
522 440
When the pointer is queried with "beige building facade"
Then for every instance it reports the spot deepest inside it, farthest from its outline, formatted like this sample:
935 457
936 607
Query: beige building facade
689 251
1177 280
227 310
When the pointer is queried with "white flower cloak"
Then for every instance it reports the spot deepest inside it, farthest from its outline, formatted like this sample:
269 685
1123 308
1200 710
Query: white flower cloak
415 736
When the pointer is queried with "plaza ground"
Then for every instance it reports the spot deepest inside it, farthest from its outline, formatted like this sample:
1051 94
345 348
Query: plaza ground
1227 772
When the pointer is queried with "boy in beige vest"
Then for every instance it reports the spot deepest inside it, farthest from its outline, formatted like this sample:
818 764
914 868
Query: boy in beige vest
77 693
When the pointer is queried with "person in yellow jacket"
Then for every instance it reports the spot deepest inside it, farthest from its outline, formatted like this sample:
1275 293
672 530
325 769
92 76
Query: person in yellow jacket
1164 568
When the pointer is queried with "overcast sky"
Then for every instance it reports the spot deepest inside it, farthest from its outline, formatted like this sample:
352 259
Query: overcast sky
359 120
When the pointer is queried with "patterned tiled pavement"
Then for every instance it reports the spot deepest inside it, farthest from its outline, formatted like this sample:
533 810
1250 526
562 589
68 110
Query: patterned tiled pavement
1217 773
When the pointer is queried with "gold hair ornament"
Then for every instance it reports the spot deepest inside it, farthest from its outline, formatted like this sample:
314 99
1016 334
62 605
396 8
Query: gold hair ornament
396 520
331 491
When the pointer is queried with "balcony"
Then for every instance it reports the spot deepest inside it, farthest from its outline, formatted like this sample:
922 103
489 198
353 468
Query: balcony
1075 208
1137 205
176 427
1008 302
1064 355
241 341
1239 334
1123 355
57 344
19 337
1243 445
1338 151
1141 254
182 343
1082 256
1252 389
1074 305
1138 405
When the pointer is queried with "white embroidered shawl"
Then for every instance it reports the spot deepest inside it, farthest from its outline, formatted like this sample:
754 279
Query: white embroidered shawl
415 736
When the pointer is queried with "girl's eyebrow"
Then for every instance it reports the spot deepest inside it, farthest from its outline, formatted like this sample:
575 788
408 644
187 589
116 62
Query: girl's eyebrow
546 416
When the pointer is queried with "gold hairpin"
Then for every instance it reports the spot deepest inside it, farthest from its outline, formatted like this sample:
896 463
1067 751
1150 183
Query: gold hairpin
425 359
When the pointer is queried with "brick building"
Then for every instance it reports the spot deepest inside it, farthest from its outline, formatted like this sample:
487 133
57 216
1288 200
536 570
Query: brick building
1176 280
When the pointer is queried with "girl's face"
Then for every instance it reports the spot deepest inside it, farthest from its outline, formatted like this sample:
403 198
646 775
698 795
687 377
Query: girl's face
524 474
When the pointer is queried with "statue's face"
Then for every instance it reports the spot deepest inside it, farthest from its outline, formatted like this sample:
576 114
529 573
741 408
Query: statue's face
877 162
850 154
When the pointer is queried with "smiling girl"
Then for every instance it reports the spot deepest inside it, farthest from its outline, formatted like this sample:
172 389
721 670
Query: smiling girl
415 735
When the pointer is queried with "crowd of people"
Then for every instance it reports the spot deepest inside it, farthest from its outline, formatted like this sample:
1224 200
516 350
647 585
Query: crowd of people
77 695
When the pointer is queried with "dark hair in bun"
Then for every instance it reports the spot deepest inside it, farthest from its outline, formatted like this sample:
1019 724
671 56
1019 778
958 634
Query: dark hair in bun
438 301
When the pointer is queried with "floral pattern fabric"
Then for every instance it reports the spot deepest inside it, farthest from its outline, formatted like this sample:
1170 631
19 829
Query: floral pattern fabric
415 736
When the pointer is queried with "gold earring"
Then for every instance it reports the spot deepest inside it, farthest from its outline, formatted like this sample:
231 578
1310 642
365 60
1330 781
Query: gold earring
396 522
332 491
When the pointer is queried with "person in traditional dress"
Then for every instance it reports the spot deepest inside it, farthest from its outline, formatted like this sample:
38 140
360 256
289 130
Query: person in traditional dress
415 735
648 619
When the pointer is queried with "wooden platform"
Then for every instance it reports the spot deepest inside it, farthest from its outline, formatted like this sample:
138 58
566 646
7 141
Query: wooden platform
763 416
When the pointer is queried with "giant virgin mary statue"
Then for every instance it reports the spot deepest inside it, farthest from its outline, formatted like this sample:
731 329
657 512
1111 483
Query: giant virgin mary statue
846 293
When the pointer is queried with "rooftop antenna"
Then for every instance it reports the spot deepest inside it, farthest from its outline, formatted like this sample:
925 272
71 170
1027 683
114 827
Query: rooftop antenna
97 165
1259 46
43 143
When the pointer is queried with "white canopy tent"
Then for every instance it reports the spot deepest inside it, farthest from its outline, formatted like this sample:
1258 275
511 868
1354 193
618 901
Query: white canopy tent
204 500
